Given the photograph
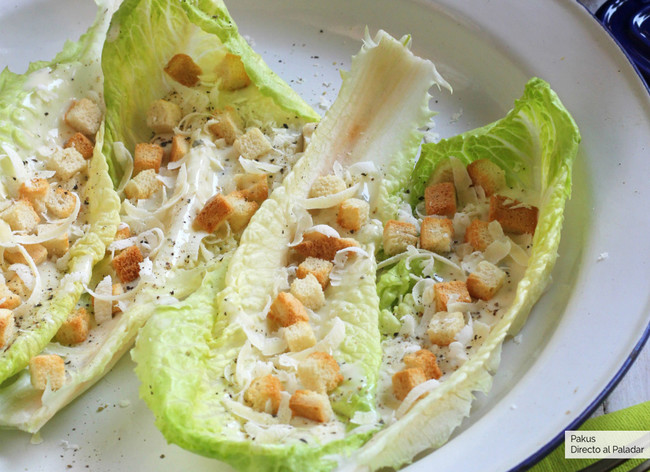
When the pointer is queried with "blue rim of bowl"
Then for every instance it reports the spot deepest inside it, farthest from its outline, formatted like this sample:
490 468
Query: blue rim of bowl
587 412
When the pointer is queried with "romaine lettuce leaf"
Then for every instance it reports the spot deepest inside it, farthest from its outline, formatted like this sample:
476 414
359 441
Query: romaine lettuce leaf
382 103
536 143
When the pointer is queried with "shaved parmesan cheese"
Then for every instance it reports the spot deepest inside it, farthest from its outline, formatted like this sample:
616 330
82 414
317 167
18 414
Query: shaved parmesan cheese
25 273
415 393
257 167
103 307
328 201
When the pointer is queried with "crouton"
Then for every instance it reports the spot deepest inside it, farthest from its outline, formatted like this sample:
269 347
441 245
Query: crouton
7 327
319 268
117 290
74 329
47 369
311 405
123 232
398 235
163 116
180 147
299 336
232 73
514 216
425 360
58 246
449 292
309 291
242 211
487 174
60 203
440 199
263 394
253 187
67 162
183 70
352 214
81 144
8 299
252 144
84 116
444 327
320 372
147 156
287 310
315 244
228 125
143 185
405 380
485 281
326 185
215 211
33 189
478 235
127 264
36 251
17 286
436 234
21 216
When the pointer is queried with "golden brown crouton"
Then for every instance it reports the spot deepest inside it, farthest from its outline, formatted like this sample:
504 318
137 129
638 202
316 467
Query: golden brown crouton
311 405
84 116
405 380
33 189
425 360
228 125
309 291
180 147
287 310
326 185
299 336
58 246
163 116
67 162
8 299
47 369
127 264
319 268
215 211
488 175
75 328
147 156
21 216
352 214
17 286
514 216
123 232
398 235
183 70
440 199
242 211
319 372
252 144
478 235
143 185
315 244
232 73
485 281
436 234
454 291
36 251
444 327
263 394
253 187
7 326
60 203
82 144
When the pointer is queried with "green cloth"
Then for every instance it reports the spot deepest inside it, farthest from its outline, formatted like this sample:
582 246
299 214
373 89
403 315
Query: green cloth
634 418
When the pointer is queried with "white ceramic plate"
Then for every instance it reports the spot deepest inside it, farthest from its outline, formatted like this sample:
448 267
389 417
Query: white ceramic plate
585 329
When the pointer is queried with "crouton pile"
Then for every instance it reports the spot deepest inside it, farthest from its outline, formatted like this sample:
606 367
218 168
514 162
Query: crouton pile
438 233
